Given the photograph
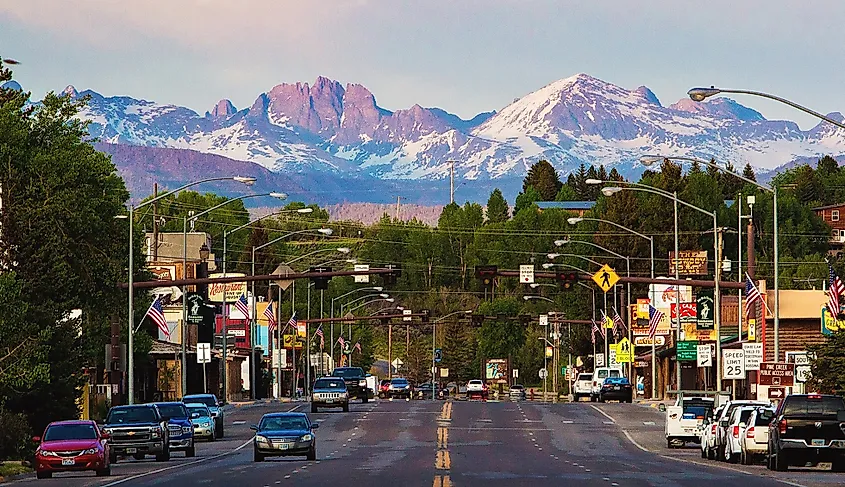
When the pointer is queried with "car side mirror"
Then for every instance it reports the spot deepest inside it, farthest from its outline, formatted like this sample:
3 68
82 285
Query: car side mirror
36 439
315 426
220 404
661 408
253 427
840 415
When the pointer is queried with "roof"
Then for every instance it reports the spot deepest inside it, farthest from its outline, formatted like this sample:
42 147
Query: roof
284 415
835 205
565 205
73 421
161 347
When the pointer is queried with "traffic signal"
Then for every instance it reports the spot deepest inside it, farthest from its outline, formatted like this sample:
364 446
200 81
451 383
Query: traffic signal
425 315
320 282
391 277
487 275
567 280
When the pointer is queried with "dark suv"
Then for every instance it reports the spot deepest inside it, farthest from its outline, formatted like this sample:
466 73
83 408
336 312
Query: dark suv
808 429
356 382
137 431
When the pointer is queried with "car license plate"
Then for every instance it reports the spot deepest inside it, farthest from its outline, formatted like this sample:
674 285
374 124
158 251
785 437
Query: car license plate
329 401
818 443
615 388
284 446
824 465
130 451
68 461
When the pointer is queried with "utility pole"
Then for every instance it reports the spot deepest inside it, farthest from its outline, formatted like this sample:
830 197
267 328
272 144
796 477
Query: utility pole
115 371
389 351
556 354
752 267
451 182
398 206
155 224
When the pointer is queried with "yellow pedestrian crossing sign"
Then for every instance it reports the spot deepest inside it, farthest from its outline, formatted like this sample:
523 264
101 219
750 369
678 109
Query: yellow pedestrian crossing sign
624 351
606 278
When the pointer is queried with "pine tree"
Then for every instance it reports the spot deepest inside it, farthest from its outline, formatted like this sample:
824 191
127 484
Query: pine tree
593 190
827 166
695 168
497 208
748 172
526 199
602 173
808 189
543 177
581 187
614 175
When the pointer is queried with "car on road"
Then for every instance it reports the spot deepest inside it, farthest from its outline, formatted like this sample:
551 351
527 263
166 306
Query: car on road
424 391
707 433
599 375
721 438
685 418
356 382
476 388
399 388
329 392
284 434
755 438
807 430
137 431
517 392
583 385
214 406
616 389
202 421
179 426
736 428
72 446
383 387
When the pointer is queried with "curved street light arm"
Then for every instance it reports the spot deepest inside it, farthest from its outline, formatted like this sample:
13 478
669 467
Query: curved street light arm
594 245
389 300
180 188
710 164
298 232
617 225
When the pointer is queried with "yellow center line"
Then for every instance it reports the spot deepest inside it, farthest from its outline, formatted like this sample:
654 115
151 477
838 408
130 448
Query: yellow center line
443 460
442 481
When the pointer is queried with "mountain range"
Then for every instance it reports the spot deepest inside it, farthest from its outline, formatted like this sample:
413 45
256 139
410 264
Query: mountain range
336 142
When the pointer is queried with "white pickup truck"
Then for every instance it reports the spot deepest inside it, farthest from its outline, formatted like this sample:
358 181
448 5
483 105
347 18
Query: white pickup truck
684 419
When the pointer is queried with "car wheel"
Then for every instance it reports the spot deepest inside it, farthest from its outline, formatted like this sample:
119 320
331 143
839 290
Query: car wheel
780 462
44 475
312 453
191 452
669 443
213 436
729 457
139 456
720 453
346 408
838 465
703 453
104 472
163 456
365 399
313 408
257 457
112 458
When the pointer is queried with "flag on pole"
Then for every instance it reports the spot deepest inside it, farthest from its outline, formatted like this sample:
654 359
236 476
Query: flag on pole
593 332
358 346
654 317
342 342
156 313
271 319
617 321
319 333
613 324
835 290
598 328
752 296
292 320
242 305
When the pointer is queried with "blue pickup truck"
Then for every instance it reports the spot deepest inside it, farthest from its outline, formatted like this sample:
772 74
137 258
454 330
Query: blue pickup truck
179 426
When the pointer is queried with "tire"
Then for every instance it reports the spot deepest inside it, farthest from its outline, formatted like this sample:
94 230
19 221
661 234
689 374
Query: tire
104 472
703 453
779 462
711 455
44 475
191 452
669 443
313 408
163 456
838 465
346 408
365 399
312 454
213 436
257 457
139 456
112 458
720 453
729 457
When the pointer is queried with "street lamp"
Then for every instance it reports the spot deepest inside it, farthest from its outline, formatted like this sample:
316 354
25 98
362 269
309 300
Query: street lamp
528 297
249 181
553 256
577 220
371 288
389 300
434 347
648 160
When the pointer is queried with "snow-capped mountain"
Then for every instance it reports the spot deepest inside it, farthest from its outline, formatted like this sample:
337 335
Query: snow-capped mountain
328 127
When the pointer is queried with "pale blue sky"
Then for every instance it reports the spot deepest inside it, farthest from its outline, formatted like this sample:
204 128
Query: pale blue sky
464 56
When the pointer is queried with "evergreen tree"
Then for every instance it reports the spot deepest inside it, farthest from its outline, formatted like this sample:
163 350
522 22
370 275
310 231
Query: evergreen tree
731 185
497 208
543 177
748 172
614 175
827 167
712 171
602 173
695 168
566 193
581 187
808 189
526 199
593 191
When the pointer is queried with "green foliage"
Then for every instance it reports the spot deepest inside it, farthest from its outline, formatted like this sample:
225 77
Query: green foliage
543 177
526 199
497 208
827 369
15 436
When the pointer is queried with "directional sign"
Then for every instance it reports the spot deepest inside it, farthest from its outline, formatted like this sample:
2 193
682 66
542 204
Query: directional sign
364 277
624 351
753 355
802 373
526 274
733 364
777 392
203 353
777 374
606 278
705 357
687 351
612 362
543 373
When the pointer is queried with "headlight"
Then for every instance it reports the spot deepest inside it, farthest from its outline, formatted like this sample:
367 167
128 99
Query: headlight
48 453
187 429
156 433
307 437
107 430
206 424
262 439
90 451
344 394
362 383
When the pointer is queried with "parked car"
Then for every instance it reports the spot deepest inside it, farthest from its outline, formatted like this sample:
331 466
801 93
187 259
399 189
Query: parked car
284 434
137 431
685 418
329 392
356 382
735 433
517 392
599 375
399 388
215 407
202 421
616 389
755 440
583 385
383 387
424 391
476 388
721 438
74 446
807 430
179 426
707 433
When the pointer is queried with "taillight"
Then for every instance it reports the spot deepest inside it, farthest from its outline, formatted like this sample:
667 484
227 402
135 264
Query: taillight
749 433
713 429
782 426
736 431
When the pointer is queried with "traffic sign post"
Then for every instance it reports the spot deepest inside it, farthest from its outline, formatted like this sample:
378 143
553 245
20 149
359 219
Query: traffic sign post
624 351
544 320
753 355
204 357
777 392
526 273
606 278
733 364
543 373
777 374
687 351
704 355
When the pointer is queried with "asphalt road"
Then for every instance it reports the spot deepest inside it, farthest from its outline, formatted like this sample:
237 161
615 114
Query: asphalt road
457 443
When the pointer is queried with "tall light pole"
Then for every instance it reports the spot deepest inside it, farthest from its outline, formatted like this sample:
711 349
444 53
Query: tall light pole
577 220
131 365
434 347
194 218
555 349
331 340
648 160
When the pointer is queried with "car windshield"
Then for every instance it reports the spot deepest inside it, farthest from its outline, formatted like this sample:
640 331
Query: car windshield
60 432
399 382
329 384
280 423
209 401
142 414
517 386
202 411
348 373
764 417
172 411
475 382
815 406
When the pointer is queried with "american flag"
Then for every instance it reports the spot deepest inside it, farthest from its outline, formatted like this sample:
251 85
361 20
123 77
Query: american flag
292 320
605 320
836 289
593 332
752 296
242 305
319 333
617 321
156 313
342 342
358 346
271 319
600 329
654 317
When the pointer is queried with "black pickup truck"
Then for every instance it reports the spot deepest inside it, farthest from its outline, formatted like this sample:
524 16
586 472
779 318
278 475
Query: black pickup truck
137 431
356 382
808 429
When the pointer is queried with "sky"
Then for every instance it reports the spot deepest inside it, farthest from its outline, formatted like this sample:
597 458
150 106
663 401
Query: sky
465 56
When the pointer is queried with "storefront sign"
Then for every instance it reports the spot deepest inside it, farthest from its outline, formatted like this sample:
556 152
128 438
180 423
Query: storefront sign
233 290
689 262
705 309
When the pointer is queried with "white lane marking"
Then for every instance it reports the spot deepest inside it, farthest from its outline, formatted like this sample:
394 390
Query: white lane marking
566 421
719 465
603 413
287 476
609 422
238 423
648 423
631 439
201 460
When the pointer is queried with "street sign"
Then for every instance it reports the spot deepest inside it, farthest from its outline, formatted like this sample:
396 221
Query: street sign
203 353
777 374
753 355
543 373
777 392
195 305
687 351
544 320
444 372
606 278
612 362
397 363
564 371
438 354
704 357
802 373
733 364
599 362
364 277
283 270
526 273
288 341
624 351
704 309
644 341
407 315
516 373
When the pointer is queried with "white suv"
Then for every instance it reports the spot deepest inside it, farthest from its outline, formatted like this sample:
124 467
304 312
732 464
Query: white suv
583 385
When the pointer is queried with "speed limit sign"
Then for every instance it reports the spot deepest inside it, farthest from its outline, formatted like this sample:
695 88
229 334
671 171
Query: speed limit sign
733 364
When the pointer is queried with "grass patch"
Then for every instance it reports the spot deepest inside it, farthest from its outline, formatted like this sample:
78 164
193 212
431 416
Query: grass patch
8 469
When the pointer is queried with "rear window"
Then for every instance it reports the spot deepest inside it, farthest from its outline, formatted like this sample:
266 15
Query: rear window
810 406
744 415
348 373
585 377
697 409
764 417
173 411
207 400
399 382
616 380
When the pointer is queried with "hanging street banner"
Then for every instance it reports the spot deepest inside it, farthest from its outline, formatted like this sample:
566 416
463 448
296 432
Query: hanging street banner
661 296
301 328
642 308
705 309
688 262
196 306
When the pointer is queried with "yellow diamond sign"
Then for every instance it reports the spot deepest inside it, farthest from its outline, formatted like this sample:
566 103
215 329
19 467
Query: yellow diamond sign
606 278
624 351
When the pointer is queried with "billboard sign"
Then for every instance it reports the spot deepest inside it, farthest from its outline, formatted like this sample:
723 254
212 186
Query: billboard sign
689 262
496 369
233 290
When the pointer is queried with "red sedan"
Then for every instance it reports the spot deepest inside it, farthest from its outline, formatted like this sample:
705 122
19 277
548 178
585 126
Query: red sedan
72 446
